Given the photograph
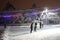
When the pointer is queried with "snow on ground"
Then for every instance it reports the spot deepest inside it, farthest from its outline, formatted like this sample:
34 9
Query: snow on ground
48 32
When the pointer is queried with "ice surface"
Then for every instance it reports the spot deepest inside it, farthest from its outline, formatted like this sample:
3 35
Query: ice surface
48 32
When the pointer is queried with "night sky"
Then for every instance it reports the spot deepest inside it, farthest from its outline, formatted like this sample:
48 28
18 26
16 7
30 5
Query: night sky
27 4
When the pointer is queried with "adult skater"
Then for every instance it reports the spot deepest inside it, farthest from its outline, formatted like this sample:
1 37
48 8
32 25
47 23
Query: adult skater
5 26
31 28
41 24
35 27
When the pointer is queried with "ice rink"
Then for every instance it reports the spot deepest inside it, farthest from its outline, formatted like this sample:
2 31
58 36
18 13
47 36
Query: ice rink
48 32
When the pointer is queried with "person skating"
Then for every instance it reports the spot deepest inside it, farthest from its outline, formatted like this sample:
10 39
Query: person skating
41 24
5 26
35 27
31 28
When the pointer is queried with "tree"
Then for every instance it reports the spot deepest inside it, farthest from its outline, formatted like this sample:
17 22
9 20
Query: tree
34 6
9 7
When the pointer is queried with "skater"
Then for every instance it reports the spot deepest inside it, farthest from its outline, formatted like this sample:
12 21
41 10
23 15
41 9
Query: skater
5 26
31 28
35 27
41 23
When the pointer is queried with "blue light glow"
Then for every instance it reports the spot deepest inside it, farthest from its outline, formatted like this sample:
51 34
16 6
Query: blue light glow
7 15
34 13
